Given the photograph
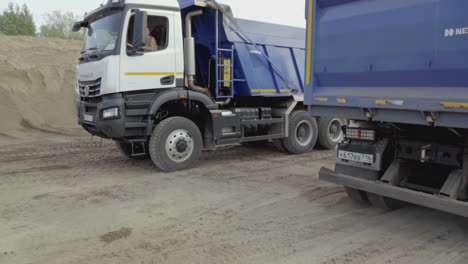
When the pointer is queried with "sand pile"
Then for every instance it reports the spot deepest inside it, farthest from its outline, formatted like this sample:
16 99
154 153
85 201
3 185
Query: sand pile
37 82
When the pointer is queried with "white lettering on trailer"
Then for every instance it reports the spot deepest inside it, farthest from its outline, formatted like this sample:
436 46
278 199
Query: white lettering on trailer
450 32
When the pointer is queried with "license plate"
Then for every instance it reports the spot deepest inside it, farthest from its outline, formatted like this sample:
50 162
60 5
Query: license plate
358 157
88 118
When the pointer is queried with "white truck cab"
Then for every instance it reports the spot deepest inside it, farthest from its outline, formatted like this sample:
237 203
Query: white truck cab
107 59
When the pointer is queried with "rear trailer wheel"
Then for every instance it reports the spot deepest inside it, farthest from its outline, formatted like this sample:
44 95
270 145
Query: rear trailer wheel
302 133
176 144
330 132
126 150
357 195
385 203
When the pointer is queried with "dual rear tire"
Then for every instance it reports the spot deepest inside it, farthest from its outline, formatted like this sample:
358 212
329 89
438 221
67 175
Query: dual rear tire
303 134
330 131
326 132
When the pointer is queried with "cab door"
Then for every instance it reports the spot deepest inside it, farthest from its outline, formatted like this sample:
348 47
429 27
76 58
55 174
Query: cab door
152 67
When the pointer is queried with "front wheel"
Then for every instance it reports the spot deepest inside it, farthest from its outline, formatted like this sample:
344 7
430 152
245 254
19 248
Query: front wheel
176 144
302 133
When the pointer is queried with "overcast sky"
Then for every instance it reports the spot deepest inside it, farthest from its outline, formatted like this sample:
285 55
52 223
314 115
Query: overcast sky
262 10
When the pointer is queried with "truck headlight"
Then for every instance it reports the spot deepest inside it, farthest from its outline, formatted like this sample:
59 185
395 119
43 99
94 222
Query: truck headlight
110 113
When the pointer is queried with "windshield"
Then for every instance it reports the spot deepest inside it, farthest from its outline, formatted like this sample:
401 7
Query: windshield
103 33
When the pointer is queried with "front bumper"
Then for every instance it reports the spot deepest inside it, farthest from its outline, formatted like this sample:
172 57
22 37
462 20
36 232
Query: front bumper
127 124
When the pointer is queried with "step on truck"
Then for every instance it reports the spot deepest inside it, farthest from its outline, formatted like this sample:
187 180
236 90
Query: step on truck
165 79
398 69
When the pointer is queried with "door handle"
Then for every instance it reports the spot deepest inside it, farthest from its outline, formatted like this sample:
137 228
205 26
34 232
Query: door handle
168 80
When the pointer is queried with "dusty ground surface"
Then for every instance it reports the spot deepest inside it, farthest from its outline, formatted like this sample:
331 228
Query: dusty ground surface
65 199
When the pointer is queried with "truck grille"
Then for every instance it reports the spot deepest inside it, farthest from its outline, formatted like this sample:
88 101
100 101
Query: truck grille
90 88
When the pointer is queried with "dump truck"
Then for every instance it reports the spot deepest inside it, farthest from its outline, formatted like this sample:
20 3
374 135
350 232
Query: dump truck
398 69
165 79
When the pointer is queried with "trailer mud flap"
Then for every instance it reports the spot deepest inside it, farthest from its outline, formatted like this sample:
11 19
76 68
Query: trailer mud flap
427 200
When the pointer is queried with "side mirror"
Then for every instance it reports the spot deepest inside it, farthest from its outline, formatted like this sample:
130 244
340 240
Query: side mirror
78 25
139 29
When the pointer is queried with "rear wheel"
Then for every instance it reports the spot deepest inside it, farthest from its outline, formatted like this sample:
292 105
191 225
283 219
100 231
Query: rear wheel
302 133
126 150
176 144
330 132
385 203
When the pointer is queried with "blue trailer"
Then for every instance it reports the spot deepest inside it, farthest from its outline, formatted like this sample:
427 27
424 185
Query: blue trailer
399 70
166 78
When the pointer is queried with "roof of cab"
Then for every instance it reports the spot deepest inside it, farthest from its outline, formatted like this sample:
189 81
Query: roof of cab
169 3
173 4
166 3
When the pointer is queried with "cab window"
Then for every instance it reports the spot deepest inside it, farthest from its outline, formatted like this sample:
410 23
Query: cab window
157 34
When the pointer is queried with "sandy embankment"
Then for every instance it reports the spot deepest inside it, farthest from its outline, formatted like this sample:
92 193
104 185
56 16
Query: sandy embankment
37 83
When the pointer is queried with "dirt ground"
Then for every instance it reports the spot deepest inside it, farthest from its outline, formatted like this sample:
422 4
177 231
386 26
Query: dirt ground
36 74
67 199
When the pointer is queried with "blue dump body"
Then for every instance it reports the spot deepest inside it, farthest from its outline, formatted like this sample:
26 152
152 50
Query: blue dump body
252 73
390 60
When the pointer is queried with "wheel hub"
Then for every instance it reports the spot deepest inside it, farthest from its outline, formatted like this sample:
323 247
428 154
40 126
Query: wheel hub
179 145
336 134
304 133
301 132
